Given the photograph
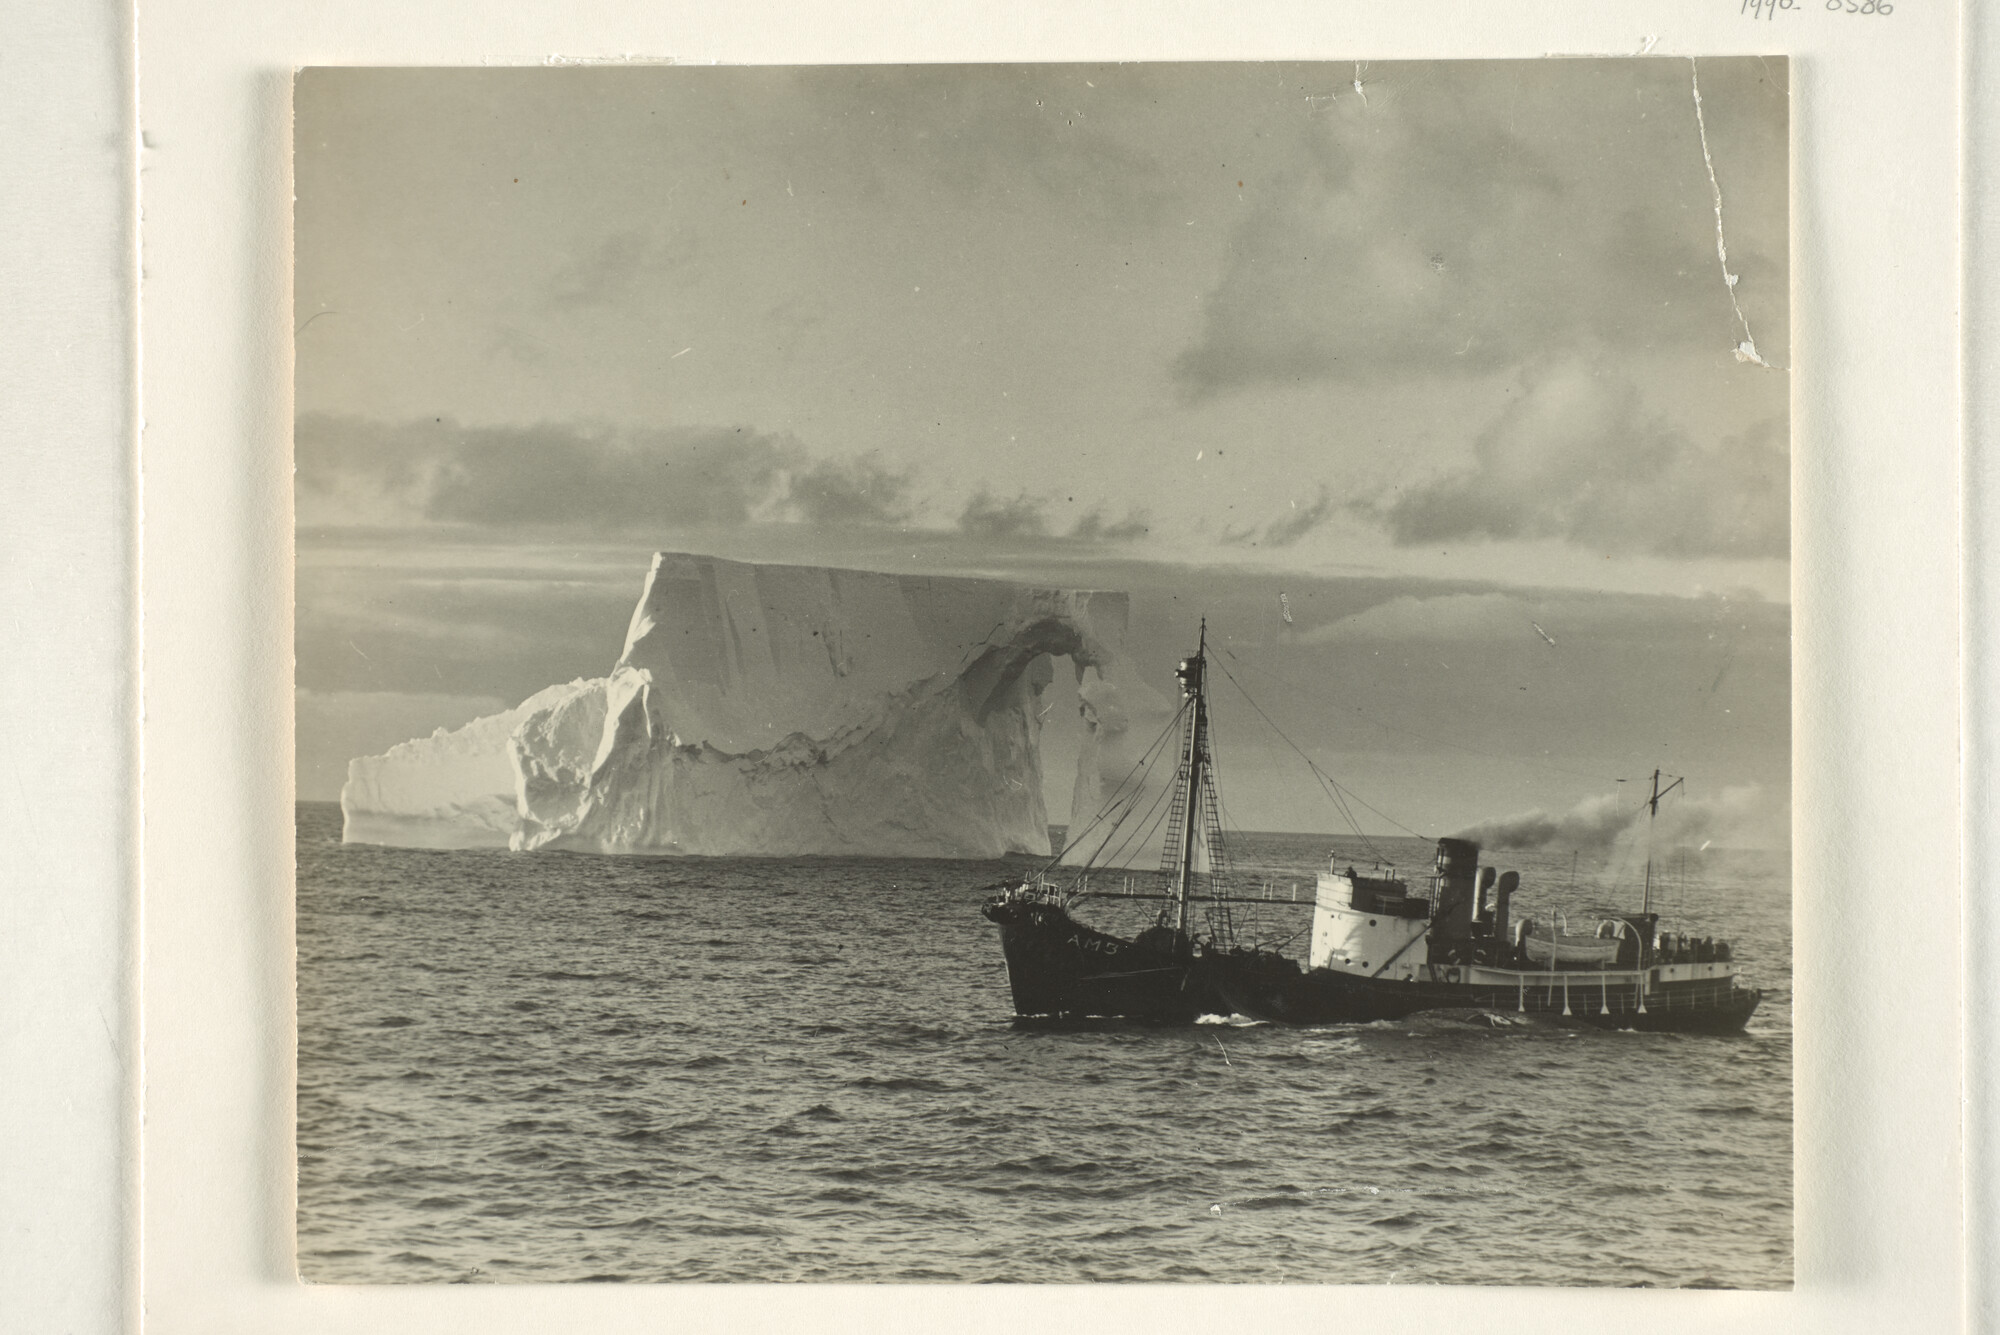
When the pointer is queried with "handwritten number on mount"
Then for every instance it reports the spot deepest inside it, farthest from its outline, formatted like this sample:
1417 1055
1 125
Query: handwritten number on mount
1768 9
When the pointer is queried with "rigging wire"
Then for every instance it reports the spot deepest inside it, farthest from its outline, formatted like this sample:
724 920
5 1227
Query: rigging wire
1411 732
1144 761
1131 805
1333 787
1680 893
1333 792
1340 796
1228 822
1337 791
1218 853
1140 835
1100 858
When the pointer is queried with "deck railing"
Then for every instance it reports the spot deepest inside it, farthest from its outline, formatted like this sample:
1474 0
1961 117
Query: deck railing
1269 892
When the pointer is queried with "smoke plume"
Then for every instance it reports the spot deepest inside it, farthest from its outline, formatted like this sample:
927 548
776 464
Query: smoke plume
1601 824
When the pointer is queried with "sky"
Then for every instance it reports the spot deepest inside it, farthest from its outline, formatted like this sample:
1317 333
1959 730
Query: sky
1446 353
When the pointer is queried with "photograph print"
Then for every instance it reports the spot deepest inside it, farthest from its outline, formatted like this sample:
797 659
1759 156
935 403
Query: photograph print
1045 673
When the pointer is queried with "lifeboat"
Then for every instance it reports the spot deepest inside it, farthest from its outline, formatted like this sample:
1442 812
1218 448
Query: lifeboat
1550 946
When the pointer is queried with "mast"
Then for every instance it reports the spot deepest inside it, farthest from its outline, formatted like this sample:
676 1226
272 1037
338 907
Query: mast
1653 810
1194 764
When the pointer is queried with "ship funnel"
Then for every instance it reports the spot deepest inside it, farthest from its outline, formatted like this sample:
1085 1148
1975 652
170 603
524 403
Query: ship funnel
1509 883
1457 896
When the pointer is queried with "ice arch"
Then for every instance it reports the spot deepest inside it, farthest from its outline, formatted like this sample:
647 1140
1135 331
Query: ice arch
766 709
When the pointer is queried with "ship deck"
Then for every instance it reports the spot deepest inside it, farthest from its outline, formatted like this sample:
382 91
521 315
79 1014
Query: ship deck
1656 975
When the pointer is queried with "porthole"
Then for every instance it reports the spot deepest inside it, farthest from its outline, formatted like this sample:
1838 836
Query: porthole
1371 922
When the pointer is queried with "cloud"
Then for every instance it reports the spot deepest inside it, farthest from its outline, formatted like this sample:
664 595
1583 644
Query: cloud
1093 527
507 476
1617 823
608 269
352 471
986 516
1456 225
1578 458
1024 516
1290 526
1302 520
357 473
850 491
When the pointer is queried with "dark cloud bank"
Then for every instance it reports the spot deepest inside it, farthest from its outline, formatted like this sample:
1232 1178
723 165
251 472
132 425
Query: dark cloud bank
1288 528
1025 516
351 470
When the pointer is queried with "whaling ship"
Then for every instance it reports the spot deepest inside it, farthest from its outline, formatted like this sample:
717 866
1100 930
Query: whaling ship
1381 948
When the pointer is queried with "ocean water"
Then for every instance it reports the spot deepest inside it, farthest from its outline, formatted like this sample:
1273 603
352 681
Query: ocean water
565 1068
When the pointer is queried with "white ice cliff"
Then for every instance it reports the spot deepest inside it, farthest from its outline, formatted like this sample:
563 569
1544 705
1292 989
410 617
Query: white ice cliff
763 709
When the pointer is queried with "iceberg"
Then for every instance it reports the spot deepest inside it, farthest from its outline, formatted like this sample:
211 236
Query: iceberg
453 789
781 710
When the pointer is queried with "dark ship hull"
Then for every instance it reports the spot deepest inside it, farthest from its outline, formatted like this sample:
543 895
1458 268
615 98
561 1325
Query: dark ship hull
1609 1000
1061 969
